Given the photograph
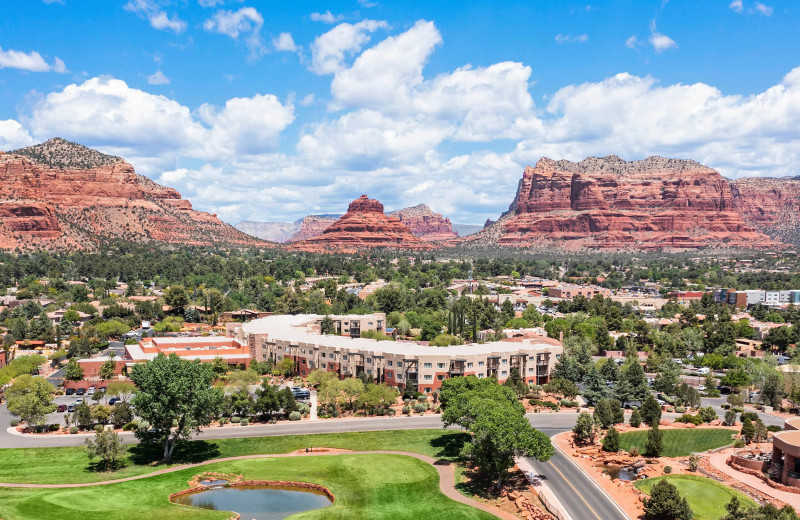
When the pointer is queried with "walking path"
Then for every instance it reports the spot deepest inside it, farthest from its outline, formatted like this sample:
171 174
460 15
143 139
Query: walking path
447 479
718 461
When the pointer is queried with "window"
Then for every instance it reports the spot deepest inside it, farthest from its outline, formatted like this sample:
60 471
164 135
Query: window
344 358
530 370
428 377
389 374
480 376
323 365
399 364
480 363
369 361
428 390
427 365
322 354
389 363
505 361
440 377
439 365
469 365
399 377
264 355
504 373
303 351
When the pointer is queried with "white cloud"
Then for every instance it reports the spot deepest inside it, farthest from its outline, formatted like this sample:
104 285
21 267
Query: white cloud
326 17
329 50
158 78
736 5
13 135
568 38
158 18
61 2
660 42
762 9
285 42
30 61
631 42
307 100
210 3
246 20
59 66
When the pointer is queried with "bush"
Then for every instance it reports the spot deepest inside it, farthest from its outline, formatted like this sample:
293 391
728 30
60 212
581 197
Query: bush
406 401
725 406
730 418
14 423
739 443
636 419
422 398
73 430
753 416
391 412
666 502
420 407
738 409
634 452
407 410
245 422
708 414
611 440
128 427
236 419
774 428
98 428
694 462
548 404
294 416
569 403
667 470
54 427
690 419
680 409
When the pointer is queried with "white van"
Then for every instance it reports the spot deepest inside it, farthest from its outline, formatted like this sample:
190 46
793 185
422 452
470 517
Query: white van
703 371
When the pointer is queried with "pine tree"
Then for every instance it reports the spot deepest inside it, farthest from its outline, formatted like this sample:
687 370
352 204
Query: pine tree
596 388
666 503
611 440
636 419
655 445
748 430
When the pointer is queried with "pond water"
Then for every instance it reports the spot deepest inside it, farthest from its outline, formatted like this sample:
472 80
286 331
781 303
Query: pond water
619 472
213 482
256 503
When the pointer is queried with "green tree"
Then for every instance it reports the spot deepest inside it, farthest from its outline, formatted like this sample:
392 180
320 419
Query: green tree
107 369
73 371
666 503
83 416
595 387
667 378
121 413
30 398
174 391
636 419
515 382
611 440
287 401
241 401
122 389
748 430
108 447
651 411
326 327
584 431
603 414
267 402
176 297
655 443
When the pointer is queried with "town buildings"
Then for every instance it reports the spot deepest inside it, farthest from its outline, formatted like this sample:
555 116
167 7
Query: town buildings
396 363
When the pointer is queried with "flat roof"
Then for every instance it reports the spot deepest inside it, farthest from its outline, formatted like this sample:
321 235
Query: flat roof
295 329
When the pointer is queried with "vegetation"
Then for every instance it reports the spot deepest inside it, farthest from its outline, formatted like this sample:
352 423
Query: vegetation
108 447
706 498
679 443
30 398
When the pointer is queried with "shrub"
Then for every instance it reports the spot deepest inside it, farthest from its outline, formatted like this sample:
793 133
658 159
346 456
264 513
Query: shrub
753 416
694 462
725 406
636 419
14 423
73 430
655 444
128 427
667 470
98 428
730 418
634 452
569 403
774 428
690 419
666 502
245 422
739 443
391 412
406 401
406 410
236 419
548 404
294 416
708 414
54 427
611 440
422 398
680 409
738 409
420 408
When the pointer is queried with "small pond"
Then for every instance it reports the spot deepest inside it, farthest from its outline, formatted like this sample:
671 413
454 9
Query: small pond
257 503
213 482
619 472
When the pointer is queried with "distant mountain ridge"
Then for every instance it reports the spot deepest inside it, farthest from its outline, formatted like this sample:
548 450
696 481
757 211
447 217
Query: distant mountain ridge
60 195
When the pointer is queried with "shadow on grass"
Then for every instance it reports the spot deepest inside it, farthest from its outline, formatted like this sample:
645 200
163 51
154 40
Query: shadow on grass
449 445
102 467
186 452
478 485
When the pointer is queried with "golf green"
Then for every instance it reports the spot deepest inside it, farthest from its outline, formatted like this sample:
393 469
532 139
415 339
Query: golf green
679 443
375 486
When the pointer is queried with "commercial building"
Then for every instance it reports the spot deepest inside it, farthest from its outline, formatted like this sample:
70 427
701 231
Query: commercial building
395 363
744 299
205 349
571 291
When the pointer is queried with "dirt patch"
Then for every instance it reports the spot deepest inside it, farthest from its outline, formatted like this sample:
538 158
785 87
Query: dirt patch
516 497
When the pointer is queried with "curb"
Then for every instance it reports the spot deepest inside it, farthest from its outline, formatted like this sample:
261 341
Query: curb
598 486
546 495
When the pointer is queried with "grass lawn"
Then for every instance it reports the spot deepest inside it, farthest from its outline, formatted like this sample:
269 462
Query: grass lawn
679 443
365 486
71 465
706 497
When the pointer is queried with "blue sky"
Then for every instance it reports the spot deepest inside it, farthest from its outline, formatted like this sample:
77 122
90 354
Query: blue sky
274 110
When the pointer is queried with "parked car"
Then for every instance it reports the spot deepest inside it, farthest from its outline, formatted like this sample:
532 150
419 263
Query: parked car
114 400
70 391
71 408
661 402
79 401
703 371
81 391
61 408
300 393
702 388
90 391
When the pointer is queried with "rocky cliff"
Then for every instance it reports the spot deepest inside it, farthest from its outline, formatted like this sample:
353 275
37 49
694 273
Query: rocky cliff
61 195
770 205
364 226
312 226
425 224
608 203
273 231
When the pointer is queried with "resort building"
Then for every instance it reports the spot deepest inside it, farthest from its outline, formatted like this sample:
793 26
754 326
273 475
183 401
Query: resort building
205 349
395 363
785 466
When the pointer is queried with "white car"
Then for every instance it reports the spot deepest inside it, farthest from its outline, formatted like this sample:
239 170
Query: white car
702 388
703 371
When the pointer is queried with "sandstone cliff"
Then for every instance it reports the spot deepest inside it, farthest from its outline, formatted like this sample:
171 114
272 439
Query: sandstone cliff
608 203
364 226
61 195
425 224
273 231
770 205
312 226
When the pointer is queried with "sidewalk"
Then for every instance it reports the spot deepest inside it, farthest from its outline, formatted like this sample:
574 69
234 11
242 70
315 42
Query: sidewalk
718 461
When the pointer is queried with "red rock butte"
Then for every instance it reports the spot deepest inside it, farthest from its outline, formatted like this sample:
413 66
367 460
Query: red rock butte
63 196
426 224
608 203
364 226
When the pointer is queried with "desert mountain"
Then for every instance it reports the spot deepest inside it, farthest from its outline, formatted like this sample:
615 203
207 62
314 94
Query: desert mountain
60 195
425 224
364 226
608 203
770 205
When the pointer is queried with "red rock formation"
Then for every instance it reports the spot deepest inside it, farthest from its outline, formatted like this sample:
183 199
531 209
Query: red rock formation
312 226
608 203
364 226
770 205
425 224
85 203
